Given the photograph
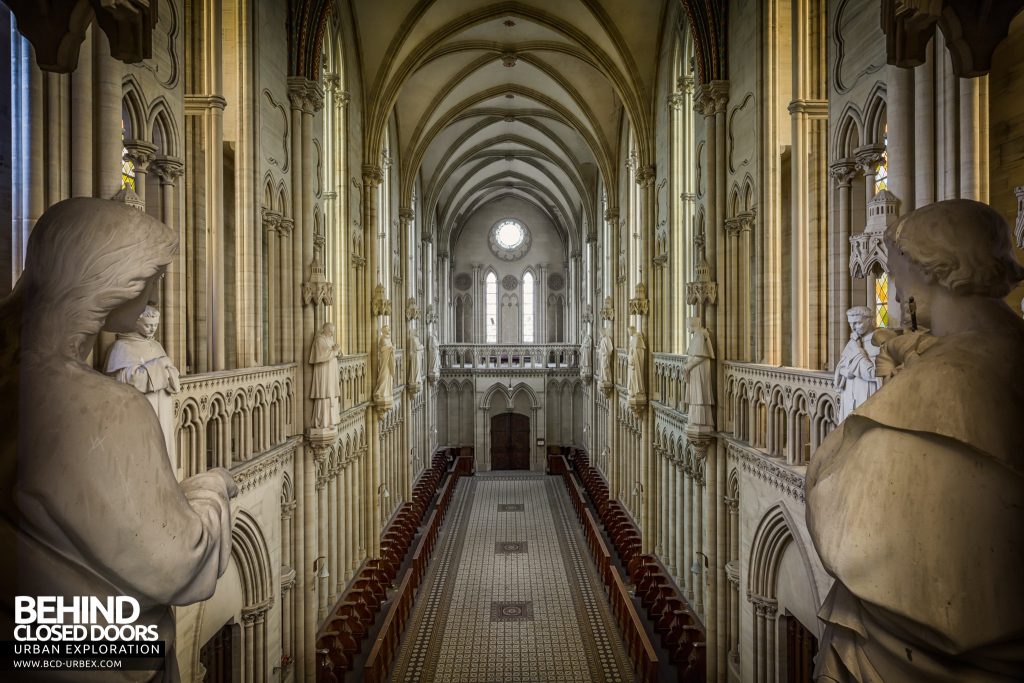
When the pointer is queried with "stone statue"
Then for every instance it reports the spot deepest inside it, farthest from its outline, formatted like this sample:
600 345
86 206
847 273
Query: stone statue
138 359
586 348
324 388
606 355
91 504
914 502
434 351
700 395
384 392
414 359
855 372
635 368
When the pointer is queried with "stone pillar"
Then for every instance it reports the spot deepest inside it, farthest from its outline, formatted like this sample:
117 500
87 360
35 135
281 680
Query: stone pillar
900 113
82 121
140 153
842 172
924 129
971 136
168 170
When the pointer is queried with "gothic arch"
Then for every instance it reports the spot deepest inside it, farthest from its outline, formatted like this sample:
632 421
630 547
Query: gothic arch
252 558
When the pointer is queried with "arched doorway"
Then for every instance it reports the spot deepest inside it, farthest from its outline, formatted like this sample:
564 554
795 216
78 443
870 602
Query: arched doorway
510 442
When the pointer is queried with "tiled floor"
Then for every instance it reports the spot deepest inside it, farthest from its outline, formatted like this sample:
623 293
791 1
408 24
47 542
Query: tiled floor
511 594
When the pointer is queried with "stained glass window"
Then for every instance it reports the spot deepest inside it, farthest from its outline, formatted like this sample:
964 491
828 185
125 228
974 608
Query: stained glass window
127 165
882 300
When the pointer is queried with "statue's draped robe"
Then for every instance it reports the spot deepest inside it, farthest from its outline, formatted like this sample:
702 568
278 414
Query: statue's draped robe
97 509
699 389
634 376
606 352
916 505
384 392
855 371
324 387
415 351
158 379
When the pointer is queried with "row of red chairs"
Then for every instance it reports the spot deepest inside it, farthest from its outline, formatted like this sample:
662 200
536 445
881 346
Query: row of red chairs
341 637
681 634
639 646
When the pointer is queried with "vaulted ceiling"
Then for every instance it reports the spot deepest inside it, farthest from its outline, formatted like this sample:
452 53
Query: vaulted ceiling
499 99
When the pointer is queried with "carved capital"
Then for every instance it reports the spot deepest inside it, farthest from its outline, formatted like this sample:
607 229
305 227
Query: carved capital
843 171
167 169
373 175
644 176
611 215
868 157
140 153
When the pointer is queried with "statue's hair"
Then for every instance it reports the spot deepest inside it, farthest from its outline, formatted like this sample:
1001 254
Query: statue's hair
85 258
962 244
151 312
860 312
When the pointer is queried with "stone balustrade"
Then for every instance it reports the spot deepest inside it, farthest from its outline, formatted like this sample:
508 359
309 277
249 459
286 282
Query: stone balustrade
227 417
508 356
355 380
784 412
670 381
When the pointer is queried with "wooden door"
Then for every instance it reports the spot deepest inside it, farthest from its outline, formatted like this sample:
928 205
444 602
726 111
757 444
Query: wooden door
510 442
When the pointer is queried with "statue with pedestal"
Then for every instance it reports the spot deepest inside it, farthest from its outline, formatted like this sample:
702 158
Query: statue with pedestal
635 368
324 388
414 351
914 501
700 395
433 354
92 505
606 360
586 348
384 391
138 359
855 378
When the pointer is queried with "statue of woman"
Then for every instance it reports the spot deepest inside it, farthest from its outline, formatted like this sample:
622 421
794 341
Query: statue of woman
700 395
138 359
606 354
914 502
434 348
635 378
91 504
414 349
383 393
586 347
324 389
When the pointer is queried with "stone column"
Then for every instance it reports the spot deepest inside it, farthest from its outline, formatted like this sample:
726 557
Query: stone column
842 172
900 114
140 153
924 129
973 131
168 170
82 121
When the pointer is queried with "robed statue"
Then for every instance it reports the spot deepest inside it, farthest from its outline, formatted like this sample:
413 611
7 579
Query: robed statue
138 359
914 502
91 504
324 388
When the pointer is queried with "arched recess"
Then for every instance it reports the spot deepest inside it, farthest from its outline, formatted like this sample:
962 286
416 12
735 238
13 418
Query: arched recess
770 564
250 553
255 573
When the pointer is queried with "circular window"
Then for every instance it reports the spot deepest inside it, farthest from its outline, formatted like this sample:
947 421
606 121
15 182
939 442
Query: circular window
509 234
509 239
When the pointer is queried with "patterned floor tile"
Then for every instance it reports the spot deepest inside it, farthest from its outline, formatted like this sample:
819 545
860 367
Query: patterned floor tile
569 635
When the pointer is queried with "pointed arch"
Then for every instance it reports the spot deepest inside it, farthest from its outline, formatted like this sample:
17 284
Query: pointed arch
252 558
